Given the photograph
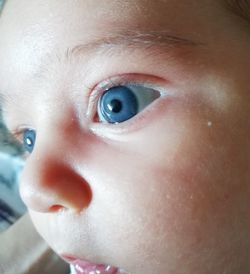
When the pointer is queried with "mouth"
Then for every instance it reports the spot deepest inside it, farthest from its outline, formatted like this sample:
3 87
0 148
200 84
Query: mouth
85 267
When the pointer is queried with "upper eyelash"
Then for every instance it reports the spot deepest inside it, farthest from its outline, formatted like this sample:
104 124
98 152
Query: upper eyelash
93 99
120 80
95 93
12 140
16 135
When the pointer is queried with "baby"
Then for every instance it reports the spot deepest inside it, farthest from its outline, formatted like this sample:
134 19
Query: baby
135 120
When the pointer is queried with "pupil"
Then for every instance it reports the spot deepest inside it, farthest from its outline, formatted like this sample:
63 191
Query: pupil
115 106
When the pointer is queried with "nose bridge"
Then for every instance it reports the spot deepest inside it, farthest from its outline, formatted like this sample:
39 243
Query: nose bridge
50 180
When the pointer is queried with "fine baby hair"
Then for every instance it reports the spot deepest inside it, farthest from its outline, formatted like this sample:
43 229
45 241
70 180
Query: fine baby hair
134 118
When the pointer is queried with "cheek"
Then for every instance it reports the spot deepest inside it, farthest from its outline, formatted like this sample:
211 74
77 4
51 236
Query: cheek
183 179
173 191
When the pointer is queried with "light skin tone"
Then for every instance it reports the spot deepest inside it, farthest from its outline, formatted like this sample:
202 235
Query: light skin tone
166 191
24 251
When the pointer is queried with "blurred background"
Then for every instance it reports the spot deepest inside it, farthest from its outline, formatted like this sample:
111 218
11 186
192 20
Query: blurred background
1 3
22 250
11 164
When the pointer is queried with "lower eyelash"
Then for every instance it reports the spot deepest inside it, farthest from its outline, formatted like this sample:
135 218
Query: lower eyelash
111 131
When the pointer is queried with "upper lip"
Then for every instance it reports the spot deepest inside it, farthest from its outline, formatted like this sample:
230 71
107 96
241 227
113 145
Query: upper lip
70 258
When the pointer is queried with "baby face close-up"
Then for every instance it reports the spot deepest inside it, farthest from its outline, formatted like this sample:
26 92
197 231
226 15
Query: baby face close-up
135 120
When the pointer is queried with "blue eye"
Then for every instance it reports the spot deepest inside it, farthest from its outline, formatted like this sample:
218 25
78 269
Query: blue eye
121 103
29 139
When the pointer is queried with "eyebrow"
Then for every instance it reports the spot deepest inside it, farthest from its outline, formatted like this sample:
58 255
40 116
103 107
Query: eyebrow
129 40
134 40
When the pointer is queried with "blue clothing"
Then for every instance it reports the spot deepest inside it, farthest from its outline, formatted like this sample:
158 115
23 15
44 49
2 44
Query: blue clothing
11 206
1 3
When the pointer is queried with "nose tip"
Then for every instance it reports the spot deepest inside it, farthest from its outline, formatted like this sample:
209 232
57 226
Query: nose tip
54 187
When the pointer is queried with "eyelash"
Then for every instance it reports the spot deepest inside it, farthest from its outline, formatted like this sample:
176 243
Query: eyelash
122 80
17 135
95 94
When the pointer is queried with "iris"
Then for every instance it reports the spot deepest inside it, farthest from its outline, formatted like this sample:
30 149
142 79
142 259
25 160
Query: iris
29 139
118 104
121 103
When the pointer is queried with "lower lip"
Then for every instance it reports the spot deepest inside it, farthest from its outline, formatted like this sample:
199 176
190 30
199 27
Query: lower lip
82 267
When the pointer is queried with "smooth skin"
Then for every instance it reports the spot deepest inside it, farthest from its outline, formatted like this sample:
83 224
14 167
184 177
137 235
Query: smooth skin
23 251
165 192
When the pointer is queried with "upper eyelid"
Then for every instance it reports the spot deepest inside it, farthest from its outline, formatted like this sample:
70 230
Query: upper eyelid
130 78
148 81
93 93
17 132
152 41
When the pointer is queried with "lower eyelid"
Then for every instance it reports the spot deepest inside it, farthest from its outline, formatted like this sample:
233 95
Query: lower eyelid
136 123
130 79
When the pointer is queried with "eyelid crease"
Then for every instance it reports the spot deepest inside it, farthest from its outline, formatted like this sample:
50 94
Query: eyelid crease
121 40
131 39
130 79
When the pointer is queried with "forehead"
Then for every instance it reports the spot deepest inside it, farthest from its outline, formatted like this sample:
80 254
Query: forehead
103 14
44 25
30 31
94 15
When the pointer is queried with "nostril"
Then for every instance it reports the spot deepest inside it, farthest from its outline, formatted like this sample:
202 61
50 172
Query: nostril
56 208
56 188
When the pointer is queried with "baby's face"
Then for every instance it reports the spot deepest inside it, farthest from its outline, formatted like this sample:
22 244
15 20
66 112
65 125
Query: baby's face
137 113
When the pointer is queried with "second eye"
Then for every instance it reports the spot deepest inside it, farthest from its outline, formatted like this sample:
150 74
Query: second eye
29 139
121 103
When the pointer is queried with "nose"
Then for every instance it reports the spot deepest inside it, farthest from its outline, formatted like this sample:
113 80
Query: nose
49 184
